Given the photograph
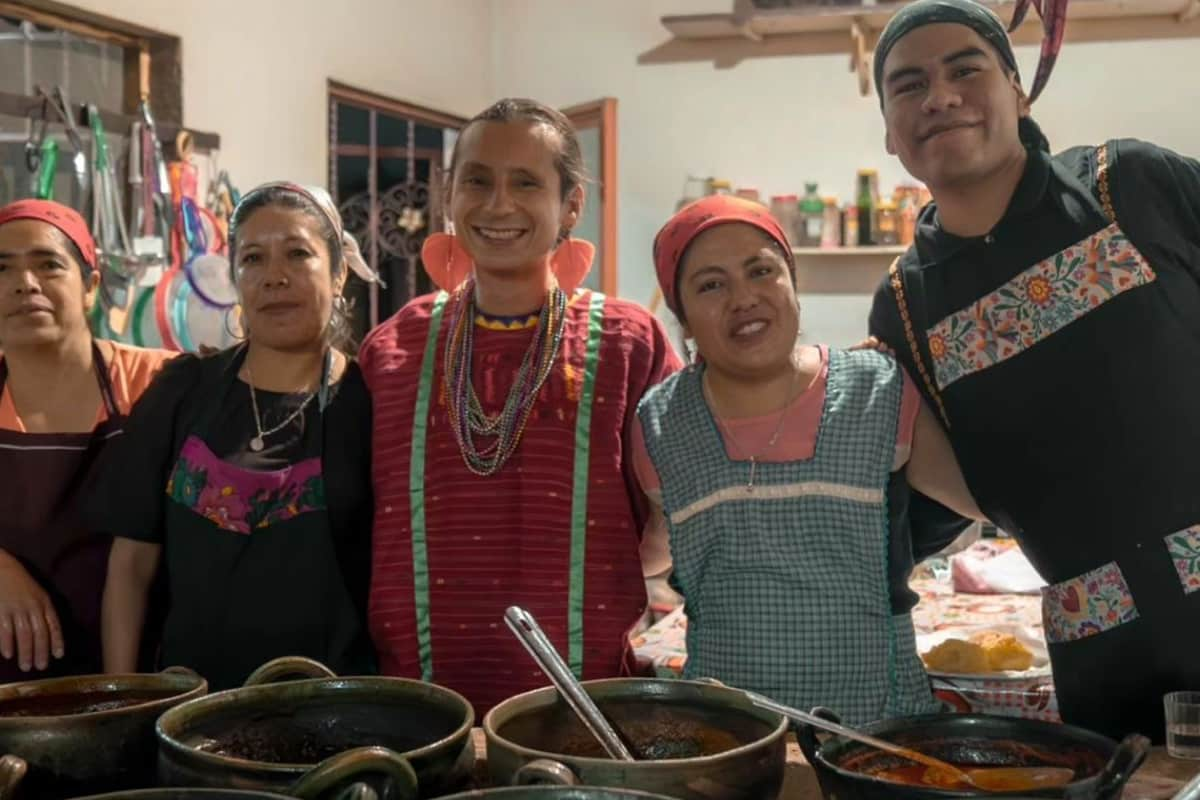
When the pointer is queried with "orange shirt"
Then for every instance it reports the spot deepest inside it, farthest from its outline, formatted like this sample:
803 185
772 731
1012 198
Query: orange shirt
129 368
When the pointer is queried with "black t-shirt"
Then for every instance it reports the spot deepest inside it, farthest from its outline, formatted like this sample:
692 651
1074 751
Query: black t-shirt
259 564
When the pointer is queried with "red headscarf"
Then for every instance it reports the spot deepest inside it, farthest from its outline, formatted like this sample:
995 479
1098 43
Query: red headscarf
62 217
692 220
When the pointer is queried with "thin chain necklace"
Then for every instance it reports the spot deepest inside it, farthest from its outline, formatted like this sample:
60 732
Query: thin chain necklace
467 417
257 443
753 459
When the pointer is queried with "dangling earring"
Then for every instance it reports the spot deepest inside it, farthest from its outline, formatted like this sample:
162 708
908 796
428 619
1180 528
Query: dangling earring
571 261
446 263
241 324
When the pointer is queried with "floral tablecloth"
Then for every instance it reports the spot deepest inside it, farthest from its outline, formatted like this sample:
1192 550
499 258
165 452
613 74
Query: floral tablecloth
940 611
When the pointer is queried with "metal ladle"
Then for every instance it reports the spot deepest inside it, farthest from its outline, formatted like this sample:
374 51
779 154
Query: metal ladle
522 623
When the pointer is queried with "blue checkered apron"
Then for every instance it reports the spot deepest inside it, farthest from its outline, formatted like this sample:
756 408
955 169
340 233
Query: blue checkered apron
786 583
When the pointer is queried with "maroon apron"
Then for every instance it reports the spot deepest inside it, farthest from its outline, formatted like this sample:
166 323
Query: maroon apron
41 525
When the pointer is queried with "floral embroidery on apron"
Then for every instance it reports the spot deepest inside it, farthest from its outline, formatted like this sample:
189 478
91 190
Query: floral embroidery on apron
1184 547
1092 603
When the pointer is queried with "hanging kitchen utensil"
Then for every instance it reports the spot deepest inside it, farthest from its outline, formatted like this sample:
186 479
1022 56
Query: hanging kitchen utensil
522 623
48 165
143 328
195 296
156 181
38 124
137 182
41 150
121 268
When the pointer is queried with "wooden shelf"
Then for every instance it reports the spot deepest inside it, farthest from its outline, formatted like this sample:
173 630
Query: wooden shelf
889 251
842 270
728 39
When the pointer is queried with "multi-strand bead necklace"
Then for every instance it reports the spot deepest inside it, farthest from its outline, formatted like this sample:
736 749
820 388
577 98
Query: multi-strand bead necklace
467 417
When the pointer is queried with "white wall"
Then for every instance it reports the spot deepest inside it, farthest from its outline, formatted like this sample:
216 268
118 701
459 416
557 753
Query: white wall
255 71
774 123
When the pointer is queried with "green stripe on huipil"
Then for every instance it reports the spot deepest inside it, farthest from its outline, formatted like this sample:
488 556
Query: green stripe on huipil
416 489
579 495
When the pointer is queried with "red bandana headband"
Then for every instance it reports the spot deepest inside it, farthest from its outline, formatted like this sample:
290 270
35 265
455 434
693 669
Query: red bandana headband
66 219
689 222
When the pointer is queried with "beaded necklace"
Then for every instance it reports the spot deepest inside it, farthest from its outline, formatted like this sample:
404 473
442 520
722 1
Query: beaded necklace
467 417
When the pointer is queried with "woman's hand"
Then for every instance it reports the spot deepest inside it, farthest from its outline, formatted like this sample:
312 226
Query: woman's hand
29 626
872 343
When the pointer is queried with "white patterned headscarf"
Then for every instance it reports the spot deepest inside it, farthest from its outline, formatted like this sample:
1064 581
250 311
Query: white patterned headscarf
321 199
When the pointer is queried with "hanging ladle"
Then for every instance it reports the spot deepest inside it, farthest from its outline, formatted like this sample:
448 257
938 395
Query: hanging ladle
539 646
990 779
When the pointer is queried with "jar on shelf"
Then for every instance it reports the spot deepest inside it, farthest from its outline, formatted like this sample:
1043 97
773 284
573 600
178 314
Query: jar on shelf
831 226
887 224
783 209
850 225
750 194
719 186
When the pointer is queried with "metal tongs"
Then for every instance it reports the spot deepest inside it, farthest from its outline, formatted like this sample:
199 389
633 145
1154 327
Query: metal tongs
39 146
531 635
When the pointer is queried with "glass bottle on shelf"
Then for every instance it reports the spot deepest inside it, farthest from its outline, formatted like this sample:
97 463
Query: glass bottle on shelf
812 217
866 204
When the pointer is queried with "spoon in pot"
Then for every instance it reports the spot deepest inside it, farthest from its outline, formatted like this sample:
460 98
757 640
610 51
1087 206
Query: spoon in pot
539 646
989 779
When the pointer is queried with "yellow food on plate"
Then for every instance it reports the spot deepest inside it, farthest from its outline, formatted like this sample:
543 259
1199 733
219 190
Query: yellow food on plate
1004 651
956 656
988 651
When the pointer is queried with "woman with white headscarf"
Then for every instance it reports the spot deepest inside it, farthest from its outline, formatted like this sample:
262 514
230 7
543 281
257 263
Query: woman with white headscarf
249 469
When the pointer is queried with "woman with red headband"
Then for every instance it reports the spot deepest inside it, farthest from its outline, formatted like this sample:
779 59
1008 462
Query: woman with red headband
775 465
63 397
247 471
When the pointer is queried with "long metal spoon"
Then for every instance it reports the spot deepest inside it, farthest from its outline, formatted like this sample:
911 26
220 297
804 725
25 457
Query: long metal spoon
992 779
539 646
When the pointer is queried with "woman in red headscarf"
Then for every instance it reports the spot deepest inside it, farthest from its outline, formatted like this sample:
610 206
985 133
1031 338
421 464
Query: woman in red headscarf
777 465
63 396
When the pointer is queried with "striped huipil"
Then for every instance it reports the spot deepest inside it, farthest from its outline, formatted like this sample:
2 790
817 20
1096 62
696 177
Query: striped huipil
556 530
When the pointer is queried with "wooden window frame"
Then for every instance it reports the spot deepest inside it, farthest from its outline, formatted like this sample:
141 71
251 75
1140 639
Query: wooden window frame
148 53
602 114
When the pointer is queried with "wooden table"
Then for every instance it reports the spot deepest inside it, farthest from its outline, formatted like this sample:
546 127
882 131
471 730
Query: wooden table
1158 779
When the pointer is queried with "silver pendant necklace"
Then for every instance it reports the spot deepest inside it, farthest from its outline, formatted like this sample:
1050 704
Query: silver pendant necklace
258 442
783 413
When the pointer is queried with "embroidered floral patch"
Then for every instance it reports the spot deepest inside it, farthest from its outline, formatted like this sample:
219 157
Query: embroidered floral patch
1094 602
1039 302
1184 548
242 500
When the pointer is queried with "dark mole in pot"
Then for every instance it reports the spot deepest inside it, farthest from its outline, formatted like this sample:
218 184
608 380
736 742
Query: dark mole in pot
315 731
657 730
69 703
